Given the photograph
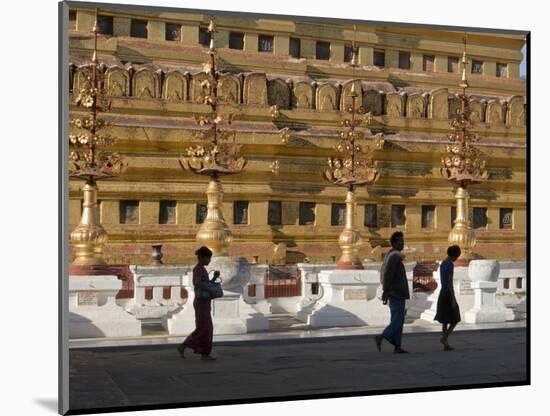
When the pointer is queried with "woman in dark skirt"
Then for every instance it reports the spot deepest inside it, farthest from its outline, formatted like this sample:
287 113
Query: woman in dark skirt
200 340
448 312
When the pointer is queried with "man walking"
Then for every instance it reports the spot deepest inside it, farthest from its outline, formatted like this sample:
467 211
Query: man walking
395 289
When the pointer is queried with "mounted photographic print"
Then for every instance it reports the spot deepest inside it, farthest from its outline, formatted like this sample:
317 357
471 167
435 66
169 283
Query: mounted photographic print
268 208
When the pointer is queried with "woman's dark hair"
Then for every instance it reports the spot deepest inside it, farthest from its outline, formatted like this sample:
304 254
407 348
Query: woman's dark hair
453 251
203 252
395 236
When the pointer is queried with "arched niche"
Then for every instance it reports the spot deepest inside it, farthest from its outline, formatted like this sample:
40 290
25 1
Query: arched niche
175 87
146 84
201 86
117 82
255 89
229 89
278 93
372 101
302 95
325 97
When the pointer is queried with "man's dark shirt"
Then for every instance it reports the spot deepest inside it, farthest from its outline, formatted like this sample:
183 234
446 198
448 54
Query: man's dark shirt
395 283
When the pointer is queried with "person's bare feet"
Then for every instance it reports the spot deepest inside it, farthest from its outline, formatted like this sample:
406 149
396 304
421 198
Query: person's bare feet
181 350
378 342
446 346
208 358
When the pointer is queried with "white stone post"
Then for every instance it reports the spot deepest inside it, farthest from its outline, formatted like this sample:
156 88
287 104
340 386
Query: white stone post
429 314
230 313
484 275
258 302
158 277
93 311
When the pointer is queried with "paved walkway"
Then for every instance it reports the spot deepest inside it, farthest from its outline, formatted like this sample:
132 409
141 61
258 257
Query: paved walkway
154 374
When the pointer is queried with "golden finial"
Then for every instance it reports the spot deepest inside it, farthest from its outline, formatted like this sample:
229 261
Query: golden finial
94 31
212 25
464 81
354 49
212 30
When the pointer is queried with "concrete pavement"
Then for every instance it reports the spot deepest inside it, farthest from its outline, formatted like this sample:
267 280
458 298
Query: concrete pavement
278 368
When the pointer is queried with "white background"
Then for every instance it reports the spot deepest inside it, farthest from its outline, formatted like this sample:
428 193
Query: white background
29 121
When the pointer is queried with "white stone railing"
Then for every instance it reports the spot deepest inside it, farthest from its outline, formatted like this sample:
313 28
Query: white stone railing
310 279
512 278
257 280
157 290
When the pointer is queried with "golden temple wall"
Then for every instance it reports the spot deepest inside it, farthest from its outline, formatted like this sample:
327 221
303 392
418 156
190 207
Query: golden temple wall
152 80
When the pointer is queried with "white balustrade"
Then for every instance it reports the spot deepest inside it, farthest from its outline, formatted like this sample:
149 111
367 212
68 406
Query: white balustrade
154 280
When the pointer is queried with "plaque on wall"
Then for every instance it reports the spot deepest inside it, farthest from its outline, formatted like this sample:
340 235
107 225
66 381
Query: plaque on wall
87 298
355 294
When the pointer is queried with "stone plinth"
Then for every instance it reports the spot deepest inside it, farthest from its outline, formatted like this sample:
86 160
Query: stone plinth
346 297
484 275
230 314
93 311
486 308
345 300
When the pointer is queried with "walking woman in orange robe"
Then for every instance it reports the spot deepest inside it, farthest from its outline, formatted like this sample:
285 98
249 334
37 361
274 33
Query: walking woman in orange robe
200 340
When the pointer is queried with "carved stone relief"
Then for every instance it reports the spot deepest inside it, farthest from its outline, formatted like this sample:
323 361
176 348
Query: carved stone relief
494 112
477 110
394 104
255 89
278 93
454 106
117 82
200 87
326 97
372 101
146 84
345 98
175 87
229 88
302 95
81 78
415 106
516 111
438 107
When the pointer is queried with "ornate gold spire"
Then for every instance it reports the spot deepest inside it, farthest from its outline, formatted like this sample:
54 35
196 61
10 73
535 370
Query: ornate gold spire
219 155
88 163
464 81
464 166
350 171
463 163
